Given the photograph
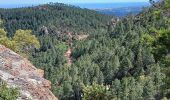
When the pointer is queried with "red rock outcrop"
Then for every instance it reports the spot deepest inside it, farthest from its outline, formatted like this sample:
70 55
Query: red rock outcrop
19 72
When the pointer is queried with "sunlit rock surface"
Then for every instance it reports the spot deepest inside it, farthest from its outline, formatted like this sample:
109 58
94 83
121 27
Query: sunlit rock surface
19 72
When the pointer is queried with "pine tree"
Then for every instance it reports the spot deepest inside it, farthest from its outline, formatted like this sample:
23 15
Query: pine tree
116 89
149 90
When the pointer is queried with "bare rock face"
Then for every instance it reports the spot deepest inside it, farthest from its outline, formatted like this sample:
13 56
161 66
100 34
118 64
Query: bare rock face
19 72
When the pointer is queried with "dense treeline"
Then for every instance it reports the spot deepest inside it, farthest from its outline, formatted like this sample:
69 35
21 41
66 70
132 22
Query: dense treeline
52 23
56 17
126 61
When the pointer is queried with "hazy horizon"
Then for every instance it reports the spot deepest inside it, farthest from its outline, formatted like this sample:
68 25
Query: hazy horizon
67 1
85 5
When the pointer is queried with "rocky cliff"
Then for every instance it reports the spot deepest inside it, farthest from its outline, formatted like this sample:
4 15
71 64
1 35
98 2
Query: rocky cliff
19 72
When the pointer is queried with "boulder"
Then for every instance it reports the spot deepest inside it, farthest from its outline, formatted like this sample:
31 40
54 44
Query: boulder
18 72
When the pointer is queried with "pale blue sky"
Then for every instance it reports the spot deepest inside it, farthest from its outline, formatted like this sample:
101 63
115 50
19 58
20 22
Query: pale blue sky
64 1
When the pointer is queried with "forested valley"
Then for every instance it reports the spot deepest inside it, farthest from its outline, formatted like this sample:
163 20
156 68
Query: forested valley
92 56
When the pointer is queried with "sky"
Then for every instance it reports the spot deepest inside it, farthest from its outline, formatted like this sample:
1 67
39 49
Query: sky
64 1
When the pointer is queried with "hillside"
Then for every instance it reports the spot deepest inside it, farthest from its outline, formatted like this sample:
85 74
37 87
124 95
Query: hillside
53 24
91 56
56 17
121 12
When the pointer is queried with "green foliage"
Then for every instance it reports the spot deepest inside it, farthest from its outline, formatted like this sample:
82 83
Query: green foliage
62 46
129 57
167 4
2 33
25 40
148 39
4 40
7 93
144 87
22 41
166 60
97 92
1 22
162 44
55 16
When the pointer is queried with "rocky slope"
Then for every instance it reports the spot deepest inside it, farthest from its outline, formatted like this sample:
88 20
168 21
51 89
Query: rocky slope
19 72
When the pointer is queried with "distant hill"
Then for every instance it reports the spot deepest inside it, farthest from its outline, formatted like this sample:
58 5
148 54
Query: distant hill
112 5
116 9
120 12
86 5
58 17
